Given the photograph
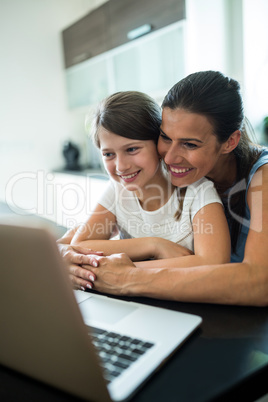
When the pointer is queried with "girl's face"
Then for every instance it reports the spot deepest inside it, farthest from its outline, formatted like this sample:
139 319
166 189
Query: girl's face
188 146
132 163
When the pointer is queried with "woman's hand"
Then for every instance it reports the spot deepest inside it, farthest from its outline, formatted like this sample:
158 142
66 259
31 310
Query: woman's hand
75 257
168 249
113 274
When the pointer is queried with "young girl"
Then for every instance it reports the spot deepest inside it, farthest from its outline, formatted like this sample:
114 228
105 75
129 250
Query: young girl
140 202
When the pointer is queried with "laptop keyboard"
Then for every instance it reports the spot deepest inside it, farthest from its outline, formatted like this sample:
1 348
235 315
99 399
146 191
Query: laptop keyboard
117 352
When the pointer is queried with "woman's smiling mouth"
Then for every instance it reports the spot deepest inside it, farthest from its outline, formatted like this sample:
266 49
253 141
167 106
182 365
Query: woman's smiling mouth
179 172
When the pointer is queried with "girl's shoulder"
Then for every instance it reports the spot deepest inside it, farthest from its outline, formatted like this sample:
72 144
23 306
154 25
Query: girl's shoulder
200 184
203 189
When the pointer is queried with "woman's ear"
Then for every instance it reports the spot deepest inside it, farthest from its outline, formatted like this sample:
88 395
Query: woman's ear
232 142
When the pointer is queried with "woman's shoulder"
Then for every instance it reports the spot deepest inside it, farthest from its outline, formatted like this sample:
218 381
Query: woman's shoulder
263 156
261 161
259 174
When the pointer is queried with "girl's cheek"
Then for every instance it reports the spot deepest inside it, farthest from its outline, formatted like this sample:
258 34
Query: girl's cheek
108 166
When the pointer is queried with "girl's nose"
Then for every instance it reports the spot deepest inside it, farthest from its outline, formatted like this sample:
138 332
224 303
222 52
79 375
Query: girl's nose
122 164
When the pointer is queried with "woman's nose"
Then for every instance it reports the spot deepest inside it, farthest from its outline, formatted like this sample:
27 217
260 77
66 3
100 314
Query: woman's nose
172 156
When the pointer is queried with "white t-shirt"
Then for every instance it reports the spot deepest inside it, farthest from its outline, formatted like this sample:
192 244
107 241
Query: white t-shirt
134 221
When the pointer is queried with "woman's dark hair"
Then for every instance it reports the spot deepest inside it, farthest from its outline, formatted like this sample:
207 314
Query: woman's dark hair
130 114
212 94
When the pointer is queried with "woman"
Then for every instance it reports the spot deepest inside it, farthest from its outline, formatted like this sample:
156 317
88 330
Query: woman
205 110
140 202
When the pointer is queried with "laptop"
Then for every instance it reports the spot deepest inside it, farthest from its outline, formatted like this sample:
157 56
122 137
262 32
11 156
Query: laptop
93 346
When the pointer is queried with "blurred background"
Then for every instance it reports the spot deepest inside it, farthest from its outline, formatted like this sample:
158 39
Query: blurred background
60 57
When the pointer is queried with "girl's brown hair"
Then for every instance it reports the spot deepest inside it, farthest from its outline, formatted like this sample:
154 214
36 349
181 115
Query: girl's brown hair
129 114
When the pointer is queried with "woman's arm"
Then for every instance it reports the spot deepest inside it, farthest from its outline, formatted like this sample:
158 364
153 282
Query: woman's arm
234 284
244 283
211 241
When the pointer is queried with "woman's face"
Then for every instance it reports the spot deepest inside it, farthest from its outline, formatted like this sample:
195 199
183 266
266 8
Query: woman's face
188 146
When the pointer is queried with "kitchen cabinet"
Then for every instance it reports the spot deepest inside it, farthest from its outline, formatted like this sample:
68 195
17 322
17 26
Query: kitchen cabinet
86 38
128 16
88 82
150 64
109 25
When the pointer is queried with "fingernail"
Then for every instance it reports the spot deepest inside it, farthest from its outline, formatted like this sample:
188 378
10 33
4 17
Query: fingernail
95 264
82 288
92 278
89 286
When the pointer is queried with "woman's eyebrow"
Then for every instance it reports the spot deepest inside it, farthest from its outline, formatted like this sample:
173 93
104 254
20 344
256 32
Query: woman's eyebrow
183 139
163 132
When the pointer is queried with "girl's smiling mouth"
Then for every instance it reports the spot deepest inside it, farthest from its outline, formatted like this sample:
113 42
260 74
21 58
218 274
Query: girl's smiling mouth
129 177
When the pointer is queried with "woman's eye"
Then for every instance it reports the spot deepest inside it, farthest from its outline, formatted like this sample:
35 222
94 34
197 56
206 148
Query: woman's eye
190 145
164 137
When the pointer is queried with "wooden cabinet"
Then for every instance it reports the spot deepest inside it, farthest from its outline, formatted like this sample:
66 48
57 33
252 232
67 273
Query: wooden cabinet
140 65
86 38
108 26
130 15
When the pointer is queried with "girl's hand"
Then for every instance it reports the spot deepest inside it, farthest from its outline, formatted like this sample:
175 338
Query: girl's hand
168 249
75 256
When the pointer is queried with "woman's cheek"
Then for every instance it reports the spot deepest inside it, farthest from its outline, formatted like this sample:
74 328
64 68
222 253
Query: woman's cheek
161 149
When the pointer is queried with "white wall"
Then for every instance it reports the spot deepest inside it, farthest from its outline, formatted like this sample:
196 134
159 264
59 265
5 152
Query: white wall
214 36
35 120
231 36
256 60
205 45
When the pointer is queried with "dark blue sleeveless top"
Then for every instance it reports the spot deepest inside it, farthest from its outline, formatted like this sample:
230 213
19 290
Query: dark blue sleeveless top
239 255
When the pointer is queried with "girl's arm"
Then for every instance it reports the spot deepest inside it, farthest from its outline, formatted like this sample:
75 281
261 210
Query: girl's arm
97 231
211 241
67 237
244 283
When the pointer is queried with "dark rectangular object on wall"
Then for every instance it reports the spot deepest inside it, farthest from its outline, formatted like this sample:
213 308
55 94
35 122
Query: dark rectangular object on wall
108 26
87 38
128 15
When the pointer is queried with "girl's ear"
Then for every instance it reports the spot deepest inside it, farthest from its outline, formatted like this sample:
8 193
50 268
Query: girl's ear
232 142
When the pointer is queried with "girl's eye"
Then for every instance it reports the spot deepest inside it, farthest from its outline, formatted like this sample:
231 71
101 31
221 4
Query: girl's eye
107 155
132 149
